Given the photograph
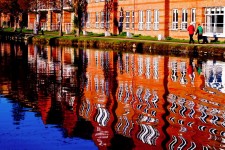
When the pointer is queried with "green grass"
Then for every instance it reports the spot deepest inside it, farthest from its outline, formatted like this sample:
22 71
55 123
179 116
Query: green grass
91 35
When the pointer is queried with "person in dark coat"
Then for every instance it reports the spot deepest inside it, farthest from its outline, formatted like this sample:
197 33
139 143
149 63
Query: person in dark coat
199 32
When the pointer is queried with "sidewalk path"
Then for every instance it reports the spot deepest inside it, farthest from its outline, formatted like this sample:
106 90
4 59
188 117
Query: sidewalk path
161 41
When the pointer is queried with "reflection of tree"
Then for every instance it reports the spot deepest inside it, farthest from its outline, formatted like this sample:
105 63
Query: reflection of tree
55 112
166 103
81 75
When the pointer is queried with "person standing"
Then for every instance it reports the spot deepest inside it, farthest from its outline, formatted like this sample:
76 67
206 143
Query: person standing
191 31
199 31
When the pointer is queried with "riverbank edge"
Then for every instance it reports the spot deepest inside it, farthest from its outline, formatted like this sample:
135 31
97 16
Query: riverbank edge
131 45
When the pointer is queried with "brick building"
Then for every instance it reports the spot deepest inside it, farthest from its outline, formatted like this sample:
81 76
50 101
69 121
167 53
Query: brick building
169 18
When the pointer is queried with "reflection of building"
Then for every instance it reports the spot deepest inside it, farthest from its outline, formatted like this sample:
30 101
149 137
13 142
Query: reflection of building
140 101
146 99
99 97
169 18
56 78
196 117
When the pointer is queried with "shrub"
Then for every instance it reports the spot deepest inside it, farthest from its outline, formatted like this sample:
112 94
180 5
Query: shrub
123 34
169 38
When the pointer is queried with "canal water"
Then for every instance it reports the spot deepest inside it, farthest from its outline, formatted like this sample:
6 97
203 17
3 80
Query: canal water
83 98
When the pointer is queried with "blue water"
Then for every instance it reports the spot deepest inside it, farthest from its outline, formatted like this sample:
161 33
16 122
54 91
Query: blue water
30 132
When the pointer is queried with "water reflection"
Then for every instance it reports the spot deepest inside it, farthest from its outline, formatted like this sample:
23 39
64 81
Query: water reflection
118 100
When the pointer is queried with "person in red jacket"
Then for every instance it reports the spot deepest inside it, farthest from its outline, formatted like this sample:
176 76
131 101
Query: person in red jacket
191 31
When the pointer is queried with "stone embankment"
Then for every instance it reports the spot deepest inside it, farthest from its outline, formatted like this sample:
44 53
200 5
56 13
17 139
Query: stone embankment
137 45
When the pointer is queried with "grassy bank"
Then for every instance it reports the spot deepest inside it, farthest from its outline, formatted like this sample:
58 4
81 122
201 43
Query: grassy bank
143 44
126 44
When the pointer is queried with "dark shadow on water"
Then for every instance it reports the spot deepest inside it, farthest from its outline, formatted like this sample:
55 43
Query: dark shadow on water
84 129
120 142
195 52
139 48
53 41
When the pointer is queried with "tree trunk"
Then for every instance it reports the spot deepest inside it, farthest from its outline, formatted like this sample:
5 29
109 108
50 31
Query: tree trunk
1 19
15 24
61 18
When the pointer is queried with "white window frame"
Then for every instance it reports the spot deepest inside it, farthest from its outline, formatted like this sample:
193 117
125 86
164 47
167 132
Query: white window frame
175 19
107 20
193 16
102 20
121 16
141 20
88 20
127 20
184 19
156 19
148 19
132 19
96 20
213 26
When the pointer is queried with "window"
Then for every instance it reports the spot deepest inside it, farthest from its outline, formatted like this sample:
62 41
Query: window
214 20
175 19
102 19
96 20
127 20
184 20
132 20
121 19
83 19
193 16
88 20
148 19
107 19
140 24
156 19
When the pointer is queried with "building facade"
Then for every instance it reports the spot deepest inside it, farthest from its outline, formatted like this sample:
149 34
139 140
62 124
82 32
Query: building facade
169 18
